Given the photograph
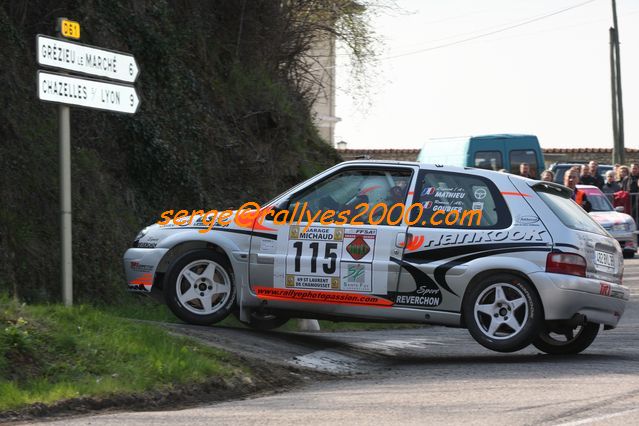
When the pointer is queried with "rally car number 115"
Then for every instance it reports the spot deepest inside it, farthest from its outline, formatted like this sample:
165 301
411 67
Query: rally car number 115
533 268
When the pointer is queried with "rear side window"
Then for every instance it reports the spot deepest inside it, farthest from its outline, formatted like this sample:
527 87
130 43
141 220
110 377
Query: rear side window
449 191
570 214
490 160
524 156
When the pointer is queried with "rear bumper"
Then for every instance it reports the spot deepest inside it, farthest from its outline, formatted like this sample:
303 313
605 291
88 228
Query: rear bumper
139 267
565 295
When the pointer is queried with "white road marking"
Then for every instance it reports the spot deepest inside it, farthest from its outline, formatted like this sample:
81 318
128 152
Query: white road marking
598 418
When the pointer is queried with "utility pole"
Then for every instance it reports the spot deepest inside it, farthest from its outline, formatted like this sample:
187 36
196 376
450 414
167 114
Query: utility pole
617 154
619 151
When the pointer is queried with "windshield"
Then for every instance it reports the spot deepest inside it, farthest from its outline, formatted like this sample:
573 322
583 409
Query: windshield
599 203
570 213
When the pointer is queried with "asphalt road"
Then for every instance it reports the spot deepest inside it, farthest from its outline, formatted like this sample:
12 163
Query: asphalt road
426 376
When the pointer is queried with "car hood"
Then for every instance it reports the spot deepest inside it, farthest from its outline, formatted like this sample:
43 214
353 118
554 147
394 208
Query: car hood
611 218
155 233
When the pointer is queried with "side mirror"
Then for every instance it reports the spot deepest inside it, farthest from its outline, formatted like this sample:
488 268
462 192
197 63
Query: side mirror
620 209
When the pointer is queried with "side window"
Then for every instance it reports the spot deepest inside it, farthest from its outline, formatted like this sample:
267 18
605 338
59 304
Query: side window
345 191
490 160
524 156
449 199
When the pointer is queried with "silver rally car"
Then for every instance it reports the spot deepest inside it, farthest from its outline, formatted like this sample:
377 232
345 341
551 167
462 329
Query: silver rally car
534 268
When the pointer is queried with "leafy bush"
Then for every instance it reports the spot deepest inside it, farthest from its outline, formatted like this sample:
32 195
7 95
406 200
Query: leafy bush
222 120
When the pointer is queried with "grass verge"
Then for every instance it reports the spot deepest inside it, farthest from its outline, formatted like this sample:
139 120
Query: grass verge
50 353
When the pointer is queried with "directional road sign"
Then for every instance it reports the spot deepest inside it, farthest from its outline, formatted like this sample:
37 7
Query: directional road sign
84 92
85 59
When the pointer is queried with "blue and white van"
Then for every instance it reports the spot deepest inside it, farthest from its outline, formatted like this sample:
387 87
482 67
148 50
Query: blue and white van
492 152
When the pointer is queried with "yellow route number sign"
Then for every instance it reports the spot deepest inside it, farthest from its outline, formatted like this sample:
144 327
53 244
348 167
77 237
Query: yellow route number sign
69 29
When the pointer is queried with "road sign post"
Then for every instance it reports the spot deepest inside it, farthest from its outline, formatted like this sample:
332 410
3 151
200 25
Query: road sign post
64 123
65 90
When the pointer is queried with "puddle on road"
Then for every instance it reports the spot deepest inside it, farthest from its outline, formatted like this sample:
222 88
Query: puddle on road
335 362
330 362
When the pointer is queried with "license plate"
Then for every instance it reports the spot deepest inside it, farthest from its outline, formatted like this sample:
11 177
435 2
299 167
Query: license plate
604 259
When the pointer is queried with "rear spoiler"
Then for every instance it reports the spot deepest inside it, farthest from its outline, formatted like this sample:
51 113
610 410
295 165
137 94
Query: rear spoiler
552 188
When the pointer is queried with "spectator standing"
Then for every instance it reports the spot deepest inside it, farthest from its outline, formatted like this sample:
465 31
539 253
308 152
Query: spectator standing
524 170
631 182
622 172
594 172
586 178
547 176
571 180
610 187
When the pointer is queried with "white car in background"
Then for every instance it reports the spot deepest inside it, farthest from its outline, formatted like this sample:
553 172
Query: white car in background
618 224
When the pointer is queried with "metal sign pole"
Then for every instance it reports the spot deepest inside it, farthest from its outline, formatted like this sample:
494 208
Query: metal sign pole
64 123
67 89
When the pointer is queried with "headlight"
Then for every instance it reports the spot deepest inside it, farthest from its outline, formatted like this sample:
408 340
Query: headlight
141 234
620 227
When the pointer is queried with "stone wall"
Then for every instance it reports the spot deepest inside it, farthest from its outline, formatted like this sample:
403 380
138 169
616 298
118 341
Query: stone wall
551 155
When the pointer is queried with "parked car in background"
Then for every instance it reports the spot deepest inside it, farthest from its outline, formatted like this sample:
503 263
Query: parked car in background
491 152
559 169
618 224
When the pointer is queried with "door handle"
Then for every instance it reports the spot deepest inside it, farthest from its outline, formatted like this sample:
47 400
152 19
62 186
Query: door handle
400 240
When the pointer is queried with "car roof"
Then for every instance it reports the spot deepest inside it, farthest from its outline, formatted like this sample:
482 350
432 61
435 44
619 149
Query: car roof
458 169
416 163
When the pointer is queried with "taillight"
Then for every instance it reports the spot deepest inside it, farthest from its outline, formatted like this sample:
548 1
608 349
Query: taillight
566 263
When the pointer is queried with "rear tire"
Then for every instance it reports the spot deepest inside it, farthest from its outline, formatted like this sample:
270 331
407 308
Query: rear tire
199 287
547 341
503 312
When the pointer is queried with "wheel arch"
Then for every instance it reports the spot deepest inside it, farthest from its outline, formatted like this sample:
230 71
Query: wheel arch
487 273
179 250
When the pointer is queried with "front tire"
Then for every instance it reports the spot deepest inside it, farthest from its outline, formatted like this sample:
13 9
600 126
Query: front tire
564 341
503 313
199 288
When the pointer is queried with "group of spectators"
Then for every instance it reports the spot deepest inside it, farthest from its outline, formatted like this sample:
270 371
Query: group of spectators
618 183
620 178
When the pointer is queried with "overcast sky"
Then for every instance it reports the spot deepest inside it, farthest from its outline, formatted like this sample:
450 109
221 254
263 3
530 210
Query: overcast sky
550 78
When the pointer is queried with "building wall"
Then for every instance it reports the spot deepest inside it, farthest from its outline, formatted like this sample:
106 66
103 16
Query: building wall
551 155
323 110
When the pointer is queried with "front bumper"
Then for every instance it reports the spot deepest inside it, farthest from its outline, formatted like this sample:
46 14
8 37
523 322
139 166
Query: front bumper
140 265
563 296
627 239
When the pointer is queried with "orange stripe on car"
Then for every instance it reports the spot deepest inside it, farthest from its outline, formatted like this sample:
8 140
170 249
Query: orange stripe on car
322 297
